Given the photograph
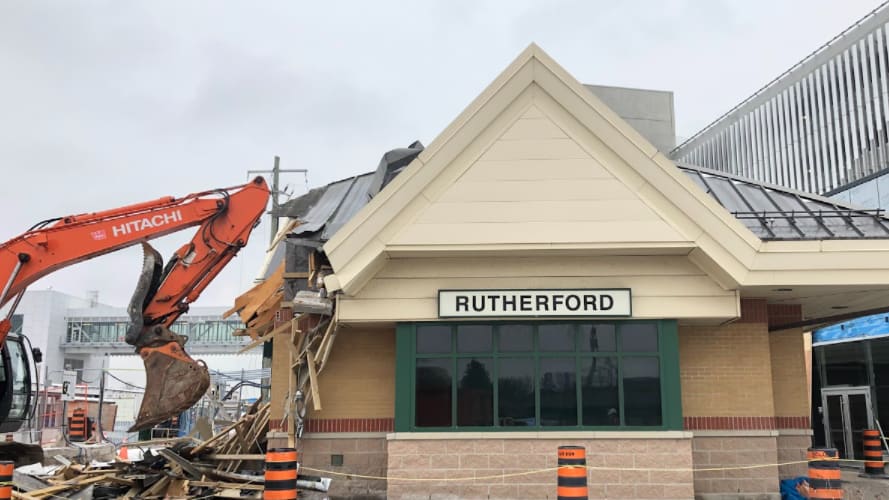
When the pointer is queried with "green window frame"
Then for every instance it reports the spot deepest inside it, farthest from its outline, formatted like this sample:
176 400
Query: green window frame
667 355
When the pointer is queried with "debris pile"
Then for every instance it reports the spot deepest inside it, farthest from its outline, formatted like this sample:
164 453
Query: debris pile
183 468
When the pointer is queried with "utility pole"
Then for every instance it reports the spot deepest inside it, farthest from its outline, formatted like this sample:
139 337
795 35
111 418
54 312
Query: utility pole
275 171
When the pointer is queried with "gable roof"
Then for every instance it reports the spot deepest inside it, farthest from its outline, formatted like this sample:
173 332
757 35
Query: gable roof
359 249
736 254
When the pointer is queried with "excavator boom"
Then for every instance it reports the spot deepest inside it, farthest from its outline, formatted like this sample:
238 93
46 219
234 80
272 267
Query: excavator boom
225 218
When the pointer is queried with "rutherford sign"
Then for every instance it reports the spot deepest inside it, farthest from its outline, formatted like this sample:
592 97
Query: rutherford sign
534 303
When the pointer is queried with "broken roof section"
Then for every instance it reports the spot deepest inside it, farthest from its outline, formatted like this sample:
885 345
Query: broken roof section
323 211
776 213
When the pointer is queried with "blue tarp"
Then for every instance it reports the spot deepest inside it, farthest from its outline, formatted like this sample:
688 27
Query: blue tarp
789 491
856 329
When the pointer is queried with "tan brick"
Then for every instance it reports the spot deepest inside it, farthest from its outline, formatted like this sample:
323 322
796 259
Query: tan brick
634 476
670 477
461 446
647 491
679 491
536 491
619 460
474 491
620 491
603 476
474 461
744 384
448 461
706 443
631 446
503 491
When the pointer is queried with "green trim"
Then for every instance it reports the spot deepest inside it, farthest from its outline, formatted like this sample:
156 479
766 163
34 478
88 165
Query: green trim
667 356
671 389
404 377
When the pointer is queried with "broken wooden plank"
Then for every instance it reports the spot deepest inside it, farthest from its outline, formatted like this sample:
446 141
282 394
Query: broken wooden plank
313 380
71 484
228 486
279 329
189 468
224 456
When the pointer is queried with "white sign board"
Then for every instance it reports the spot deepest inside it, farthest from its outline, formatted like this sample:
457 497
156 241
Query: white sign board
574 303
69 385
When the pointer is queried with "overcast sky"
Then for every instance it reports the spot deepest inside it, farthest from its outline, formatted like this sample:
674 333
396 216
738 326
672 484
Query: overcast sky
107 103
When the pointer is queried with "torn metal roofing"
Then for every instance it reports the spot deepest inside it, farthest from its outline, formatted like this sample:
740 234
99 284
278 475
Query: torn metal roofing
323 211
776 213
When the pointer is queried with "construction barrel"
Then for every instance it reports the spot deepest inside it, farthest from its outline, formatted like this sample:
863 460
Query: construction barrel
280 474
77 425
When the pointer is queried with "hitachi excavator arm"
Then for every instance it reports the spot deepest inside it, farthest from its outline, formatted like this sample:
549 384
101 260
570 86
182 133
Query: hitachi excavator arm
226 217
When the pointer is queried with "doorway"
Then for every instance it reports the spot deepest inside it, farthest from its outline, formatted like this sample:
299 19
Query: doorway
847 412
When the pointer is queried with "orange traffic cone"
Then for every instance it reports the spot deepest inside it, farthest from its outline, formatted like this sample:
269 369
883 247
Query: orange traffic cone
122 454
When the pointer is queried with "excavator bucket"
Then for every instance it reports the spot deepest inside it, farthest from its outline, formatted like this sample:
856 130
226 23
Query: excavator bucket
174 382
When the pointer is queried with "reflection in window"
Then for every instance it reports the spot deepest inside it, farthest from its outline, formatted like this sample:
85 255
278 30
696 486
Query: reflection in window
433 392
475 392
642 391
639 337
474 338
516 338
558 397
556 338
515 387
598 382
597 338
433 339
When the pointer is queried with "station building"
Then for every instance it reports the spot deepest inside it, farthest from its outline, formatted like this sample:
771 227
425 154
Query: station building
541 275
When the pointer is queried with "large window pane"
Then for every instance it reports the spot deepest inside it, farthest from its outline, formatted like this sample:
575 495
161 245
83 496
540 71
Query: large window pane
474 338
556 338
433 392
516 338
433 339
515 386
845 364
475 392
558 395
638 337
642 391
597 338
598 384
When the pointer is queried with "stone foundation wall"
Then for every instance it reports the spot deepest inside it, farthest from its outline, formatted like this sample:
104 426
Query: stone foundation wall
479 464
792 448
729 451
366 456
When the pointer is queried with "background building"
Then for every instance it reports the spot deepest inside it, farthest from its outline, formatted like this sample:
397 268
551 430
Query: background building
820 127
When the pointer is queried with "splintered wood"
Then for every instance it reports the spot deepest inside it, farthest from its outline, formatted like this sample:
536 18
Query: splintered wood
312 331
186 469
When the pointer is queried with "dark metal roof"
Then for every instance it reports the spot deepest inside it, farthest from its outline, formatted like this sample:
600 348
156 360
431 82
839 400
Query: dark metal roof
777 213
323 211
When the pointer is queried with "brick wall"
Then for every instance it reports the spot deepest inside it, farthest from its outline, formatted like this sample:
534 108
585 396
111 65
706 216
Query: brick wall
792 448
727 452
361 456
487 460
789 380
358 382
726 371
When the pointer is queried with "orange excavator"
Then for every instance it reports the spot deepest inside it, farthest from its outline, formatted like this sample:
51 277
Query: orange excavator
174 381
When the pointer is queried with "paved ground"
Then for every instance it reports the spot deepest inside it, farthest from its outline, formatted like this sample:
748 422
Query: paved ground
860 488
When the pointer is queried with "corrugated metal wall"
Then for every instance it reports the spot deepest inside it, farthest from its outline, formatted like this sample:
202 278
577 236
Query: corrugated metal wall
820 125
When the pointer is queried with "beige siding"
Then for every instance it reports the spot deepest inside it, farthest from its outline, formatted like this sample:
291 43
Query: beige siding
662 286
535 184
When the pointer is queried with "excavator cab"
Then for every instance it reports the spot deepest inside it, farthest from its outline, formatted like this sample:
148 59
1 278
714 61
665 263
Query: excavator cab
16 396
